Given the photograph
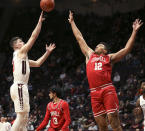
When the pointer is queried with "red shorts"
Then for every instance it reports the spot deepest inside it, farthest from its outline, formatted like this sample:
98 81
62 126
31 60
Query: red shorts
104 100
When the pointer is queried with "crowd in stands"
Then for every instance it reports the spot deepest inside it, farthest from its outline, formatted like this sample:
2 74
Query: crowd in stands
65 68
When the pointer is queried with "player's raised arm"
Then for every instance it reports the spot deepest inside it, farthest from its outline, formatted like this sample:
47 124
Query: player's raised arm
120 54
34 35
86 50
41 60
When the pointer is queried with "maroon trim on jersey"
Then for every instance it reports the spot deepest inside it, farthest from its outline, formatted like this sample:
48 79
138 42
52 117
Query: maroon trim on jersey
23 67
20 92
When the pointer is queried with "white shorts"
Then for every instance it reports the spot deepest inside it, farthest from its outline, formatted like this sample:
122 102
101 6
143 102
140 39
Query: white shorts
20 96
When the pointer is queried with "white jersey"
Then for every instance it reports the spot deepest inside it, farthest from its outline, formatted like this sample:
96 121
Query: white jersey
142 104
21 69
1 126
5 126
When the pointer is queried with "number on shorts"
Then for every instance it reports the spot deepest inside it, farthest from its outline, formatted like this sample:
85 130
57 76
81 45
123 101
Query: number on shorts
55 121
98 66
23 67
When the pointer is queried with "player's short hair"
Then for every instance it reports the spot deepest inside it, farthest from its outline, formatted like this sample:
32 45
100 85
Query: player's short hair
56 90
106 46
141 81
13 40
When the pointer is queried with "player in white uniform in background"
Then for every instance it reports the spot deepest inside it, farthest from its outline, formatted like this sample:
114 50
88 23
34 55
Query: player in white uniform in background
4 125
0 126
1 123
139 111
21 70
7 125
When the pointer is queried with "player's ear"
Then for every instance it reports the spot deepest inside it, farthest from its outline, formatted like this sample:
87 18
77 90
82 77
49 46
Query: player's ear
55 94
105 51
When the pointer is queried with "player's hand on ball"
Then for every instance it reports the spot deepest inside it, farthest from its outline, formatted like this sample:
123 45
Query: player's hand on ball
70 19
51 47
137 24
41 18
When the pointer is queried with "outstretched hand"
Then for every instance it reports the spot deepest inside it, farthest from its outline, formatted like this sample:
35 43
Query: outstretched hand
137 24
41 18
70 19
51 47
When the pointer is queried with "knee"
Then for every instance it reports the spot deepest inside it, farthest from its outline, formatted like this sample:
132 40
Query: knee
114 120
26 118
102 125
23 117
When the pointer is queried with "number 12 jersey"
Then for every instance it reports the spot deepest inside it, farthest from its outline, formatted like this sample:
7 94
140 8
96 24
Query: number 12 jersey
98 70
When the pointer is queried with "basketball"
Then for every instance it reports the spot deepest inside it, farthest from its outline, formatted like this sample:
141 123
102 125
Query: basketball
47 5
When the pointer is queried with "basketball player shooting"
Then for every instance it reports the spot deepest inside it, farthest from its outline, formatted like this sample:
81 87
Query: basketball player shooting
57 111
139 111
99 68
21 70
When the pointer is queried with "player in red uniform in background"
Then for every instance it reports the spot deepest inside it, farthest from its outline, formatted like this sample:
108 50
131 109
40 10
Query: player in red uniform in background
57 111
99 68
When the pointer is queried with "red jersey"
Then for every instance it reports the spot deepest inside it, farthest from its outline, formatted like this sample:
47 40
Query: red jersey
59 115
99 71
